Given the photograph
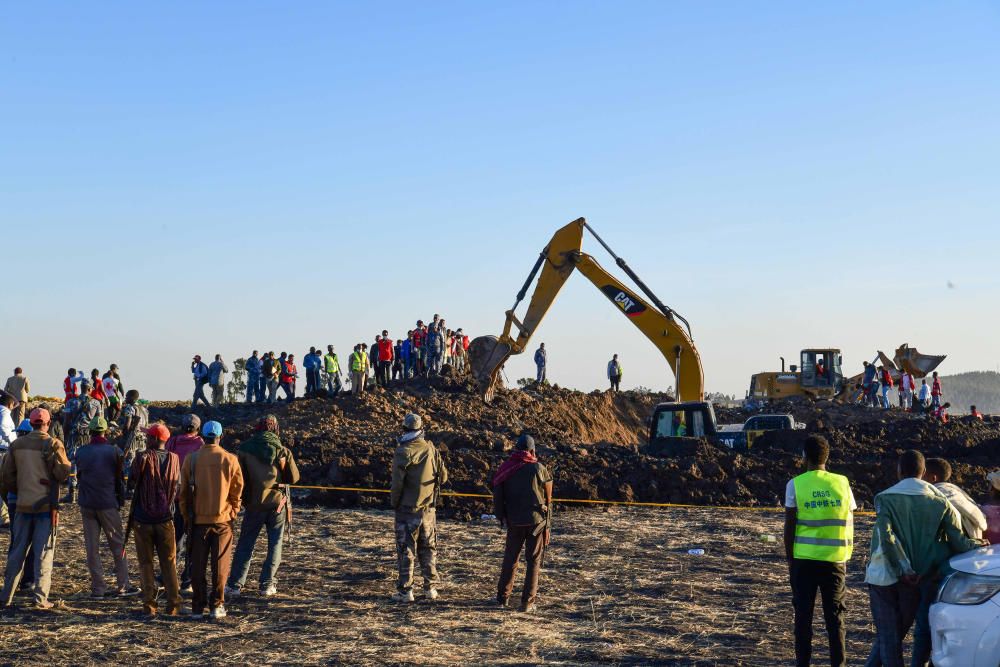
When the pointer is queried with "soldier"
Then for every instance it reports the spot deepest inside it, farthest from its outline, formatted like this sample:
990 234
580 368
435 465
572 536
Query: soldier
34 468
134 420
78 432
522 498
417 476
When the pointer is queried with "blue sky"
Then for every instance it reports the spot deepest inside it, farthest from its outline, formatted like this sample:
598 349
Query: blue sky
217 177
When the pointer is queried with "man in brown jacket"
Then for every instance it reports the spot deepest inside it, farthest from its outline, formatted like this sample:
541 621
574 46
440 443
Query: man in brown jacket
211 486
417 476
522 501
267 467
19 387
33 469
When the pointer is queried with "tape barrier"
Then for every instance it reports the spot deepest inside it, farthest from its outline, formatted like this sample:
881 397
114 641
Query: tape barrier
626 503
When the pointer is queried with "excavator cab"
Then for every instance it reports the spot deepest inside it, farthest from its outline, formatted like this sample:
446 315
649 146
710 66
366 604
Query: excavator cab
687 419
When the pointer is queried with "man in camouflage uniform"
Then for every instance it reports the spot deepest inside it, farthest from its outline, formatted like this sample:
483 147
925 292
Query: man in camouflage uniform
77 415
134 420
417 475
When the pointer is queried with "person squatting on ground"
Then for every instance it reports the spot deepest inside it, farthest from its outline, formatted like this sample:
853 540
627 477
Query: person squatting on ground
916 531
183 445
417 476
615 373
819 540
34 467
154 480
267 467
522 501
99 466
211 486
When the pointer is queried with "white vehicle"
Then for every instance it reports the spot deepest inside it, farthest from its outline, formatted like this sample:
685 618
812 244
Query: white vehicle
965 620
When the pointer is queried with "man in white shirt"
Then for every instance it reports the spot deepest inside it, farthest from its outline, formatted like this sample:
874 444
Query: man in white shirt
906 388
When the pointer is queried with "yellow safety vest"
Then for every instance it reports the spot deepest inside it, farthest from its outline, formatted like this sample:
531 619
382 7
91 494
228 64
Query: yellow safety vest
824 525
357 364
332 364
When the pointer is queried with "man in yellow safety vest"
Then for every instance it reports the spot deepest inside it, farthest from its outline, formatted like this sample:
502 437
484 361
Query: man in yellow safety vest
819 539
359 370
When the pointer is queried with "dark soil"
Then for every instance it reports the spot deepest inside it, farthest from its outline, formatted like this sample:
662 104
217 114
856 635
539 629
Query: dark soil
595 444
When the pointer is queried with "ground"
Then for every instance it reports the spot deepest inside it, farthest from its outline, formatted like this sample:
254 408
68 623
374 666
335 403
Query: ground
619 587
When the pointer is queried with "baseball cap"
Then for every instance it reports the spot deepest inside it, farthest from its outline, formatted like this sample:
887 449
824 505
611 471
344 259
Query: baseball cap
98 423
24 426
191 421
158 432
212 429
39 416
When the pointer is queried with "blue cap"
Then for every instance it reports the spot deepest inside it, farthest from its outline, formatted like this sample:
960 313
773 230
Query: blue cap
212 429
25 426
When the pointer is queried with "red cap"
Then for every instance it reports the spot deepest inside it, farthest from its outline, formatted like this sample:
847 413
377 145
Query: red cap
158 432
39 416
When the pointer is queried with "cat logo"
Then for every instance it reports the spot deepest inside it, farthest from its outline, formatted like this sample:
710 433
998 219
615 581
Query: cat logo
629 304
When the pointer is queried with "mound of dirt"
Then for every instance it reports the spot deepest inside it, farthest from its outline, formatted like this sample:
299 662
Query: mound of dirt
594 444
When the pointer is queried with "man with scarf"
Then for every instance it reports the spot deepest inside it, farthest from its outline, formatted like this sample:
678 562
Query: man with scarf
417 476
154 478
266 466
522 501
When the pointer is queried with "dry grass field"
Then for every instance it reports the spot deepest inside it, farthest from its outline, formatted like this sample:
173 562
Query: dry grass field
618 588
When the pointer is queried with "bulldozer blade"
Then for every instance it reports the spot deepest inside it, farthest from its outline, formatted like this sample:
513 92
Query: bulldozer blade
487 355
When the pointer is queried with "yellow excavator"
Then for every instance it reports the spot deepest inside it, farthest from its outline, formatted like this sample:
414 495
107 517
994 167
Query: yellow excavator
690 416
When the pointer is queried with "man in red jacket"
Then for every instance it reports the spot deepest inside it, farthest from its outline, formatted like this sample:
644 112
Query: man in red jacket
385 356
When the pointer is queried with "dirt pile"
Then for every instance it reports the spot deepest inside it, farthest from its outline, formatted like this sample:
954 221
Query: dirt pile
595 444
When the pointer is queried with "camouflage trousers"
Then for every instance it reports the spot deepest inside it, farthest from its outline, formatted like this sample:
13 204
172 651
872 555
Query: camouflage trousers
416 536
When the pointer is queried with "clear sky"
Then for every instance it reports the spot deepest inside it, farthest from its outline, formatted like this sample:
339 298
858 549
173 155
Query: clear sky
216 177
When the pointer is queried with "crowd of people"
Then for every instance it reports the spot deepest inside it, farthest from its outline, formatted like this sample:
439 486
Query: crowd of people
920 523
183 493
877 381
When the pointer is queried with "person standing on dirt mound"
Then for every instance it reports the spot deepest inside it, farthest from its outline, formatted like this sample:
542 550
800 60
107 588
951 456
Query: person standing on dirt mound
541 360
819 540
868 384
199 371
908 556
268 467
19 386
357 363
615 373
254 390
936 391
417 476
522 502
217 378
386 354
331 364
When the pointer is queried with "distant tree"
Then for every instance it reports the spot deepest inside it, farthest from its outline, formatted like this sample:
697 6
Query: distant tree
237 387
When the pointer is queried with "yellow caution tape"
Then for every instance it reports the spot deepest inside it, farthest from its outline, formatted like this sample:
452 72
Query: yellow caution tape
627 503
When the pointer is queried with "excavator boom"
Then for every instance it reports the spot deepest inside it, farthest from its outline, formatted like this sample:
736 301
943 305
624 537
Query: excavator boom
562 255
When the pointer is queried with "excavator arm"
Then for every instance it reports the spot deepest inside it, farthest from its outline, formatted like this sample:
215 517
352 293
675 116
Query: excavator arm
557 262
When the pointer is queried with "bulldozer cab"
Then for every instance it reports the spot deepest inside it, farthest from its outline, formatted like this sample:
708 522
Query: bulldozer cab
820 368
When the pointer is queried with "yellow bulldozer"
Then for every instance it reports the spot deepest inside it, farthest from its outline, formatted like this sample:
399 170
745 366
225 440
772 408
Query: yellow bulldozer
820 375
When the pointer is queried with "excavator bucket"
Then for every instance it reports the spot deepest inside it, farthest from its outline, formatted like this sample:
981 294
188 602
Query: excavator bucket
487 355
919 365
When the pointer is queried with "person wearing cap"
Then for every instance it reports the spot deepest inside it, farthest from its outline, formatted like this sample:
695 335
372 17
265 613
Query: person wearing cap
211 488
267 468
417 476
991 509
199 371
522 502
34 468
183 444
99 466
331 364
81 414
217 378
154 480
19 386
134 420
